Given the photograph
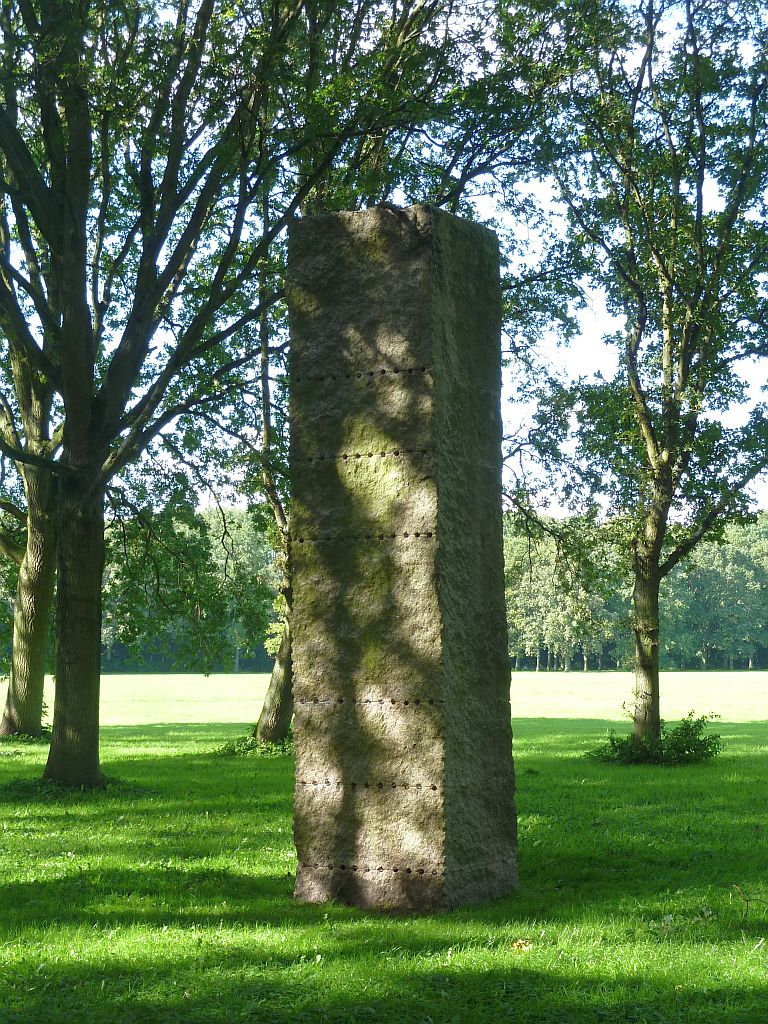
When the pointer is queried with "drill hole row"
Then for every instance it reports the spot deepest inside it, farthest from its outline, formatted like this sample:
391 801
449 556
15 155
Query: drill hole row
330 538
369 700
346 456
380 868
361 374
371 785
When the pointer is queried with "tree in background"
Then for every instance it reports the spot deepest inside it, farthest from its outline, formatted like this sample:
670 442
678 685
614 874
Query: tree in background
658 147
563 589
717 603
28 540
187 588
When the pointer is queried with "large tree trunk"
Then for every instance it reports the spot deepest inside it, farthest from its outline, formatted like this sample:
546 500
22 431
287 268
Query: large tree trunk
277 712
646 717
73 759
32 611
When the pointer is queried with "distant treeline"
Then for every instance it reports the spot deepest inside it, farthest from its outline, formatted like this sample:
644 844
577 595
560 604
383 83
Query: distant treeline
568 600
184 591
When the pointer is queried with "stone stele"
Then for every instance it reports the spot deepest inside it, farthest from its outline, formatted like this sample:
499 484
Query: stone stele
404 778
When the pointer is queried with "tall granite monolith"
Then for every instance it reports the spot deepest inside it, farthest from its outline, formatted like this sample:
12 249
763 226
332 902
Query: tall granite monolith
404 780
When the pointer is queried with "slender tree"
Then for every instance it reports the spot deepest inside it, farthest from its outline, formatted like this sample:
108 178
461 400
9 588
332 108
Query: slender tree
658 145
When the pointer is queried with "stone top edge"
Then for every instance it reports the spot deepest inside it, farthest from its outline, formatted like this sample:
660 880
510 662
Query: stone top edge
418 213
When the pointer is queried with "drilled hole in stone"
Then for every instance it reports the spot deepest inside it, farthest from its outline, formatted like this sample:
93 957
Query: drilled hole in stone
396 452
394 869
420 871
408 871
406 534
381 785
393 701
354 867
396 370
394 785
417 535
345 457
433 787
379 869
343 867
405 785
434 872
406 703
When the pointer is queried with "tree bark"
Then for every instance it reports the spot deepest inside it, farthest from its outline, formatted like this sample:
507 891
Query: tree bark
32 610
646 717
73 759
277 712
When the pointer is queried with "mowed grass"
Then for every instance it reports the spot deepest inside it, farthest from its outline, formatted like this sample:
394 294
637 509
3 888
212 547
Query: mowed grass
167 897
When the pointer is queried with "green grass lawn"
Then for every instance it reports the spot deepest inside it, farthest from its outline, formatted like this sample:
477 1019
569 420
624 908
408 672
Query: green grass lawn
167 897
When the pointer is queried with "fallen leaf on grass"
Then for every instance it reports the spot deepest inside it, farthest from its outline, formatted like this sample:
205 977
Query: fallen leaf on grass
522 944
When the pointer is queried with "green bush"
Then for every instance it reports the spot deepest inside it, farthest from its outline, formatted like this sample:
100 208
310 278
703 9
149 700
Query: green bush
249 746
686 743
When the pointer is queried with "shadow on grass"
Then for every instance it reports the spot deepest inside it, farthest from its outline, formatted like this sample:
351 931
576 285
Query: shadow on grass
240 987
200 845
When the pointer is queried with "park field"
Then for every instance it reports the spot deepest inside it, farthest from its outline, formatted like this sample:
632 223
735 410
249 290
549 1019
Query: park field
150 699
167 896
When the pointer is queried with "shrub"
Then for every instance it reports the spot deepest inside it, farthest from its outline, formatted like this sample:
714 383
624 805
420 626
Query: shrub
249 746
686 743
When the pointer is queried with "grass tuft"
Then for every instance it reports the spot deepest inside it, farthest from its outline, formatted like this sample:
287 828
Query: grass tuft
249 746
43 740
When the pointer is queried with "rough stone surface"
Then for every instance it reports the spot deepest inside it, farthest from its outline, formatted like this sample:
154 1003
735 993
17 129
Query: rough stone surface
404 780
